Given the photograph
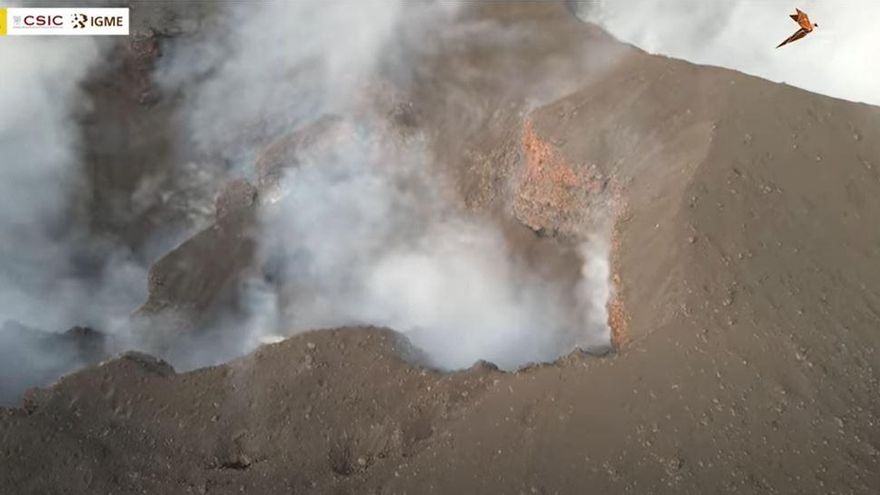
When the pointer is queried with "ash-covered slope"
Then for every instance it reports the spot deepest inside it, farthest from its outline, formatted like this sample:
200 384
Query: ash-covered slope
726 171
746 229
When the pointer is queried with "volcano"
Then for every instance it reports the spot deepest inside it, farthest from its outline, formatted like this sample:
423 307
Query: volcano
734 350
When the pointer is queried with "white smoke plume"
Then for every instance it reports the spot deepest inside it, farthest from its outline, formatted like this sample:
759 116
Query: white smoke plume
364 240
52 275
595 289
366 230
836 59
272 66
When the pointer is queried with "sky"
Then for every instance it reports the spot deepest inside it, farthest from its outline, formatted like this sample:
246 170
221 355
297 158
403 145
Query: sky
837 59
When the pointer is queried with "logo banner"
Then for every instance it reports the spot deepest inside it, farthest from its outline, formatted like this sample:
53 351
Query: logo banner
63 22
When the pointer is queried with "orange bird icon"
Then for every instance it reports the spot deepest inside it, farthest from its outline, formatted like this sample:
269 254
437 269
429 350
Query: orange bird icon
806 27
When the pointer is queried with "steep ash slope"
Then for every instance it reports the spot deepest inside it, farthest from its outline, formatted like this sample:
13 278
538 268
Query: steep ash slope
746 247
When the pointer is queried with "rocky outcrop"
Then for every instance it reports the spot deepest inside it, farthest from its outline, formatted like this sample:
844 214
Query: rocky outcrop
206 271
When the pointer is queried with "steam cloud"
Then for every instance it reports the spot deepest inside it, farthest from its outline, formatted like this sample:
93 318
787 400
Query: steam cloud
836 59
365 231
52 274
365 241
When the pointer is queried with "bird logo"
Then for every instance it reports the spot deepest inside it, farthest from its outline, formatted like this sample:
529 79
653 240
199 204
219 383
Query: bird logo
803 21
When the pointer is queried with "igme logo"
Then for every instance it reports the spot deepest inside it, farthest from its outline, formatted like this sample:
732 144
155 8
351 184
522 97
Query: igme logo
79 21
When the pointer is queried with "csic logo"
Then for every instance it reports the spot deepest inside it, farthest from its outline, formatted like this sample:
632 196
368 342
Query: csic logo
40 21
79 21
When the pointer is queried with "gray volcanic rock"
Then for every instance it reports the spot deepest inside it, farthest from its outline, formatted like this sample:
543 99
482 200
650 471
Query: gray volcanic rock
32 357
197 275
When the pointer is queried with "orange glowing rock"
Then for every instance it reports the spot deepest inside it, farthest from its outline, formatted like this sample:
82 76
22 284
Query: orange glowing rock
554 195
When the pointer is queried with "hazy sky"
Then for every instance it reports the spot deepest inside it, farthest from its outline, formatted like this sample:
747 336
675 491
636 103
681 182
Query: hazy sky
837 59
